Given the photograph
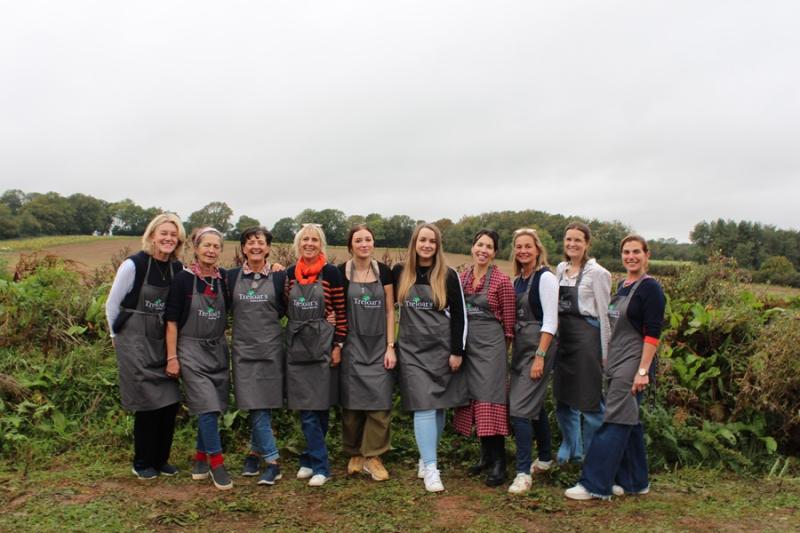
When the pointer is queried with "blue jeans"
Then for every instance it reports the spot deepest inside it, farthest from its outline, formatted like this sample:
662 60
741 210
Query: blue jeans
315 426
262 441
208 440
428 428
524 432
617 455
569 421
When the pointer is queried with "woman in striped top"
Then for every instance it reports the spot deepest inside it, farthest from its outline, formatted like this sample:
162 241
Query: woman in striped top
314 290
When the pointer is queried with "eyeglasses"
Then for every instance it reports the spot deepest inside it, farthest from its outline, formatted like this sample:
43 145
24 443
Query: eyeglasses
311 224
528 231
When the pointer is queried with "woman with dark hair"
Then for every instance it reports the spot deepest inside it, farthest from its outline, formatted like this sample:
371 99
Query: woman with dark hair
490 313
198 350
533 356
366 381
431 339
313 346
135 308
257 305
583 332
616 462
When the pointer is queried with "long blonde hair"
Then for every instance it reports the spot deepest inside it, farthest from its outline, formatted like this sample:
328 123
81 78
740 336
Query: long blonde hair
438 273
541 252
148 243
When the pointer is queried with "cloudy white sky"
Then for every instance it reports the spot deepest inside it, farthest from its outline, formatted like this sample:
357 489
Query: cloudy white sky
656 113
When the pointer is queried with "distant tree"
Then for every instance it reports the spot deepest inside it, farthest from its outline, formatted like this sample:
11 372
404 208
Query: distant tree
215 214
91 214
355 220
9 225
284 230
334 223
243 223
54 213
129 218
28 225
14 199
378 226
398 230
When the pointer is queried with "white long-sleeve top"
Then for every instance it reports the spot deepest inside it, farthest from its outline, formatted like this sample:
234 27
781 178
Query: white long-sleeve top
123 284
594 295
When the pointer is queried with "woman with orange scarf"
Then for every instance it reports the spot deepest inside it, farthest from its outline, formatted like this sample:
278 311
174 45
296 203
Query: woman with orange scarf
314 290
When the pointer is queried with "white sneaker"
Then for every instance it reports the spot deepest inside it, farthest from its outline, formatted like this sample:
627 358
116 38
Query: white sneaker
421 470
317 480
540 466
578 492
304 472
616 490
521 485
433 482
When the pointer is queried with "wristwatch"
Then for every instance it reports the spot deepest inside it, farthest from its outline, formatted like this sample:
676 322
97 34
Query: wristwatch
541 353
642 372
390 344
339 344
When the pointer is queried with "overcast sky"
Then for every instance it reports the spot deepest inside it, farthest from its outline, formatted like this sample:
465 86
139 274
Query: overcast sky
657 114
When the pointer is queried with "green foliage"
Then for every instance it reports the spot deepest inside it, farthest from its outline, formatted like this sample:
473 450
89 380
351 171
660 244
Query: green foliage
215 214
750 243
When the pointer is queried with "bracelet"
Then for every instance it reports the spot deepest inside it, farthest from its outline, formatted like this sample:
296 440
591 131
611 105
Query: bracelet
171 357
541 353
390 345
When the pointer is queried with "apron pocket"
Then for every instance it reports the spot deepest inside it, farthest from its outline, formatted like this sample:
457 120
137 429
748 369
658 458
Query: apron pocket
154 327
309 342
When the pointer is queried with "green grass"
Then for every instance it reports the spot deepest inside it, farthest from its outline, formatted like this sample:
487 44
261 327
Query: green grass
92 490
40 243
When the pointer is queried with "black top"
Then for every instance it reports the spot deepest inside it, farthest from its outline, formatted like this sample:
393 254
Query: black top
384 274
278 281
646 308
181 290
160 276
454 304
521 285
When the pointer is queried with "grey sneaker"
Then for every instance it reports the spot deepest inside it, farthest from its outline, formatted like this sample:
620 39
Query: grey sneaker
200 470
221 478
251 464
271 474
145 473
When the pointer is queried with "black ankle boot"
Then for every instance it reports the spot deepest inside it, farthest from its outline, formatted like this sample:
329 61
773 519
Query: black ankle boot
483 462
497 469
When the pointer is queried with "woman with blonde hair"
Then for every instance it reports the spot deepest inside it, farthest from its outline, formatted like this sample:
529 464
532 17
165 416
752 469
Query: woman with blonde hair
583 332
533 354
198 350
313 346
368 357
431 342
135 308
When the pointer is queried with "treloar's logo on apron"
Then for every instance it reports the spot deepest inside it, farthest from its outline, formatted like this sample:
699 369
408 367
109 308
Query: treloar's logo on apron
209 313
367 302
302 303
155 305
418 303
252 296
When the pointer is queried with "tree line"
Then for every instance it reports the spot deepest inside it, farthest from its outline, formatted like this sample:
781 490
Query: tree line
755 246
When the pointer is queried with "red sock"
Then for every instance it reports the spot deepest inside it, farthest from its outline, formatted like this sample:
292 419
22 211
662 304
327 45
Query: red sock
200 457
216 460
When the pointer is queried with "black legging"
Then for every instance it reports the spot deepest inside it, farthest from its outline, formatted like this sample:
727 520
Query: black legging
152 436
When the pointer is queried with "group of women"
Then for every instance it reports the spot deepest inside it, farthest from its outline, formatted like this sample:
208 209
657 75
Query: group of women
338 348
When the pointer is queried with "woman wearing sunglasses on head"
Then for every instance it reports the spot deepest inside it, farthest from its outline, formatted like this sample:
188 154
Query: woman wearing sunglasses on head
257 305
431 339
616 462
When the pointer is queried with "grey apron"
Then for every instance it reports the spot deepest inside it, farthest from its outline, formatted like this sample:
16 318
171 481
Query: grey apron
203 353
624 357
484 366
426 381
141 353
365 383
257 347
527 395
578 376
309 339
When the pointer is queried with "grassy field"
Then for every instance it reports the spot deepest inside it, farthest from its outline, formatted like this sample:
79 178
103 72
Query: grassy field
94 491
90 252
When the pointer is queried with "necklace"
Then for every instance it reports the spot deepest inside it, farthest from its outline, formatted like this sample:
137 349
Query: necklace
161 271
